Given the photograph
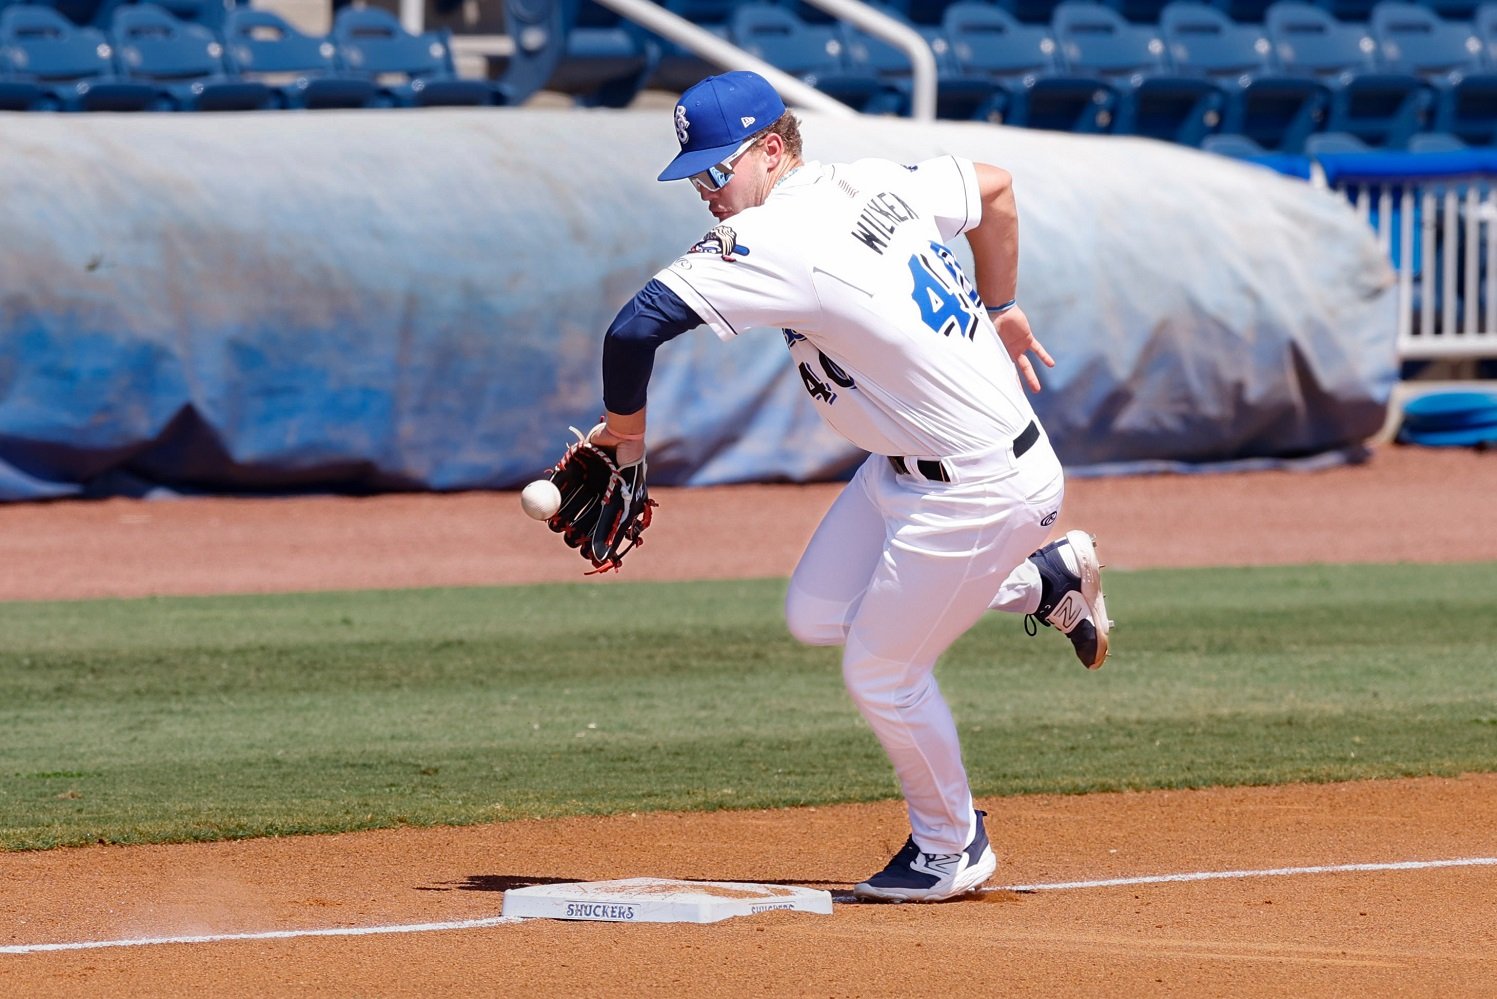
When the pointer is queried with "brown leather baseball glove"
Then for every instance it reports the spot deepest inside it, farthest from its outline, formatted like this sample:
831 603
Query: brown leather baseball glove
605 507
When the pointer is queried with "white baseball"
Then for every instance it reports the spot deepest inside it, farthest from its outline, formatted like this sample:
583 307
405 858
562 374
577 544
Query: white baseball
541 499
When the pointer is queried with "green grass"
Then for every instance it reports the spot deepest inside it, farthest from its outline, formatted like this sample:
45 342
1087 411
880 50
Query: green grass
205 718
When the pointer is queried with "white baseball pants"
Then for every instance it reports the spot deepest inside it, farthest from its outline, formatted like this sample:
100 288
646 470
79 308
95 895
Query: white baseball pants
899 568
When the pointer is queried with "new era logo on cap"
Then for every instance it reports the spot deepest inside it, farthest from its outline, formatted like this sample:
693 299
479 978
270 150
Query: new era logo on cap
714 117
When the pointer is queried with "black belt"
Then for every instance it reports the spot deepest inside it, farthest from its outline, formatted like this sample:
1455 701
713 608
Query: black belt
933 470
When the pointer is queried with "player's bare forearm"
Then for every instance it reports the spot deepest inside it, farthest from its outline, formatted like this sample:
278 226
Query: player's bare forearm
995 264
995 239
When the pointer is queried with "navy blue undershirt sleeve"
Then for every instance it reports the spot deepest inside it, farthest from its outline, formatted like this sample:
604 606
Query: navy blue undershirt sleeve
652 317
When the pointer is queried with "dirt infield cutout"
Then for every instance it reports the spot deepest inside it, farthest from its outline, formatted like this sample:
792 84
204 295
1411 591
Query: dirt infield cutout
1375 888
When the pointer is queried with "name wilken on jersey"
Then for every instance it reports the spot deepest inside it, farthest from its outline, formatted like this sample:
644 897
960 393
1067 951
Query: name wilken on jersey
879 218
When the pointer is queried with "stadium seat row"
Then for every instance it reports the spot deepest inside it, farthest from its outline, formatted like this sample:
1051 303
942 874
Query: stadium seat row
1149 11
150 60
1198 75
1195 72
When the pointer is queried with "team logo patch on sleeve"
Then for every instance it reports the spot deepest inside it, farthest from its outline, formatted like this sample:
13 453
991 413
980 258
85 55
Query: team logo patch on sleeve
721 241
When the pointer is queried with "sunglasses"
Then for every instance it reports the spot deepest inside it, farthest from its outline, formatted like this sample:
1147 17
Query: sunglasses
715 178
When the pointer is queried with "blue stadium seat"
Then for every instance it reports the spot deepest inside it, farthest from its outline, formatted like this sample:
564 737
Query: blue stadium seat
959 95
864 54
1240 147
1030 11
1276 110
1379 107
932 32
921 13
19 91
1307 38
1485 24
1436 142
987 41
1244 11
1454 10
1096 38
607 61
80 13
302 70
678 67
814 53
1202 39
1413 39
183 61
1154 101
71 67
1449 55
1138 11
211 14
1347 11
1335 142
409 70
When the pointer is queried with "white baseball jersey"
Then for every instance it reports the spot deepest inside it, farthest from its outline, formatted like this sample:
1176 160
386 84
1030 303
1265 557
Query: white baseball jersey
887 332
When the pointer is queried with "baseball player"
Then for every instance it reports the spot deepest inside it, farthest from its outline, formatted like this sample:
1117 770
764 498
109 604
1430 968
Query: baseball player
918 363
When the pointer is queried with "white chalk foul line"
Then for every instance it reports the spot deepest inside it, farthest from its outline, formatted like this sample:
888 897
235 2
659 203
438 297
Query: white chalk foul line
343 931
472 924
1272 872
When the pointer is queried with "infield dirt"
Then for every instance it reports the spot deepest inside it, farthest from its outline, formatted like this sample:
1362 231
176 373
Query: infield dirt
1417 932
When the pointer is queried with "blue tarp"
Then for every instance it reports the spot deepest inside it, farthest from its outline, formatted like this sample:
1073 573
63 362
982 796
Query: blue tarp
1379 167
372 301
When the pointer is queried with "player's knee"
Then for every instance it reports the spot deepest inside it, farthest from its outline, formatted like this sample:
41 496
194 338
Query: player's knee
883 686
814 622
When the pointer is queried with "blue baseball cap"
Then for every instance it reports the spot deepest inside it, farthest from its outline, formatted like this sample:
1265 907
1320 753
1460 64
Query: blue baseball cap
715 116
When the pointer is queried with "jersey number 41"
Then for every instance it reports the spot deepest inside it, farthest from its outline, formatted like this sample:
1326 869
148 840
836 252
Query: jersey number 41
948 302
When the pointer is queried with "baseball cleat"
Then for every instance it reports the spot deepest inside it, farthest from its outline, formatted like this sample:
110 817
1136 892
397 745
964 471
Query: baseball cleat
1071 595
916 876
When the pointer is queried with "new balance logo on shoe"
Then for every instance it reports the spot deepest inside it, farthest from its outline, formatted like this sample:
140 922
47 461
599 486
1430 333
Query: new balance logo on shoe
916 876
1068 612
939 864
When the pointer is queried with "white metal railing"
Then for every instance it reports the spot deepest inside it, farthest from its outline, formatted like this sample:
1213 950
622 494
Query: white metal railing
1440 232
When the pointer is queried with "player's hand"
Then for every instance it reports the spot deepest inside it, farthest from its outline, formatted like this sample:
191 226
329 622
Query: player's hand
1019 339
625 452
